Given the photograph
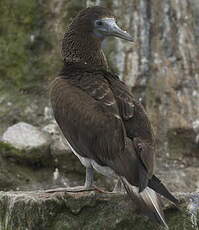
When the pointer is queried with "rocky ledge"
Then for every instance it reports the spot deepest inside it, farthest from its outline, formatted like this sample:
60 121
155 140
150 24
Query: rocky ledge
38 210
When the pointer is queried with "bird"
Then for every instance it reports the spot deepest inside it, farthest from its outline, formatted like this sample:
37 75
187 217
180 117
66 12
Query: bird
106 128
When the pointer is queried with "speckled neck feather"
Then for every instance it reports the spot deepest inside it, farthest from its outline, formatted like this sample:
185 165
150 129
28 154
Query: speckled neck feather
83 48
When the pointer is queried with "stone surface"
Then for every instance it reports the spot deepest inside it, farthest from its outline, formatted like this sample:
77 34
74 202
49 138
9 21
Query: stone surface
25 142
180 180
25 136
88 211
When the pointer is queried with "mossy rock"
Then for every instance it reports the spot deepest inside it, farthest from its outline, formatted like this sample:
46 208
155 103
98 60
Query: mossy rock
31 157
85 210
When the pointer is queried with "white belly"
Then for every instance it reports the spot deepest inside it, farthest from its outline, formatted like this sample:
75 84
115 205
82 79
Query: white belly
104 170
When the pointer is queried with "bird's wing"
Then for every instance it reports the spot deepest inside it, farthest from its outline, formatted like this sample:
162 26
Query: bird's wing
87 113
138 128
124 99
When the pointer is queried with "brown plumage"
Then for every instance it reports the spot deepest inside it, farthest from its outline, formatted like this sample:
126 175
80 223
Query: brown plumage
106 128
86 48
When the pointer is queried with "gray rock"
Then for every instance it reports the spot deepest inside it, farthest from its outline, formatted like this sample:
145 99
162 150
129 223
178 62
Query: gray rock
25 136
27 143
180 180
52 129
87 210
48 114
59 147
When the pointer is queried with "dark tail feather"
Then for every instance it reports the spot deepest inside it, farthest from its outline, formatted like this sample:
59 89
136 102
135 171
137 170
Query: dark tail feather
147 202
143 177
157 185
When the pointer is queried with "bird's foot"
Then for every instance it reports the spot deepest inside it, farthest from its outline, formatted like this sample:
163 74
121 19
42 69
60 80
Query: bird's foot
76 189
69 189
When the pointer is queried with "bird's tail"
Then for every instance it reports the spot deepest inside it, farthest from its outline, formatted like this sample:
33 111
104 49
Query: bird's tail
147 202
158 186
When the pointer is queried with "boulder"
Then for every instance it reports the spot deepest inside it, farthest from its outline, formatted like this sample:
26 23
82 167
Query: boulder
26 143
87 210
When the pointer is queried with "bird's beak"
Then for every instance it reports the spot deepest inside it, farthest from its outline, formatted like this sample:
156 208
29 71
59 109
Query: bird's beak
110 28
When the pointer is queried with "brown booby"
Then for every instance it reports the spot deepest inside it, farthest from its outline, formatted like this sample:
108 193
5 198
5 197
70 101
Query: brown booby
106 128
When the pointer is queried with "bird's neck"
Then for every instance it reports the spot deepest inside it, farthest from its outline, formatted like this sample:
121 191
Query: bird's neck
83 48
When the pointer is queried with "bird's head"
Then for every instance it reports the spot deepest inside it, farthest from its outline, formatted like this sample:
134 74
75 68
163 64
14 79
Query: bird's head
99 22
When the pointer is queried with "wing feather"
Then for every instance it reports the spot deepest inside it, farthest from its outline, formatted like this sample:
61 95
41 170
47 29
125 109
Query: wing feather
87 113
138 129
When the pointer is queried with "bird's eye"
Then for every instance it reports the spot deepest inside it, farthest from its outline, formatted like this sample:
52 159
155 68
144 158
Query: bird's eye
99 23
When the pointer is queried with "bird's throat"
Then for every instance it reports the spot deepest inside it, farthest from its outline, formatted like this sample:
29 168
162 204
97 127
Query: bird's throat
83 48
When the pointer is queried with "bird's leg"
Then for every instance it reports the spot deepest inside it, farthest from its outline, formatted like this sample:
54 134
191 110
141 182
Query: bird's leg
88 186
89 177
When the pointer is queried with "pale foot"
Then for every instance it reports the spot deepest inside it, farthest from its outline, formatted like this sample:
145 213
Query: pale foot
76 189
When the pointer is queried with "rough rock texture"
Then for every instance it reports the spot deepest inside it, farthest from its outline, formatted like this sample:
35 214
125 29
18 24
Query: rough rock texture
29 142
25 136
88 211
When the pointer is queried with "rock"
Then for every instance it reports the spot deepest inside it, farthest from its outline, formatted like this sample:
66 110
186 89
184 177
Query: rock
87 210
26 143
182 142
25 136
51 128
61 152
37 171
178 180
48 114
196 129
27 165
15 176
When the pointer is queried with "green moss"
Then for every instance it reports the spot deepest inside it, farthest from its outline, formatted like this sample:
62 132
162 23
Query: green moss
179 220
36 157
7 149
29 40
37 210
22 41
